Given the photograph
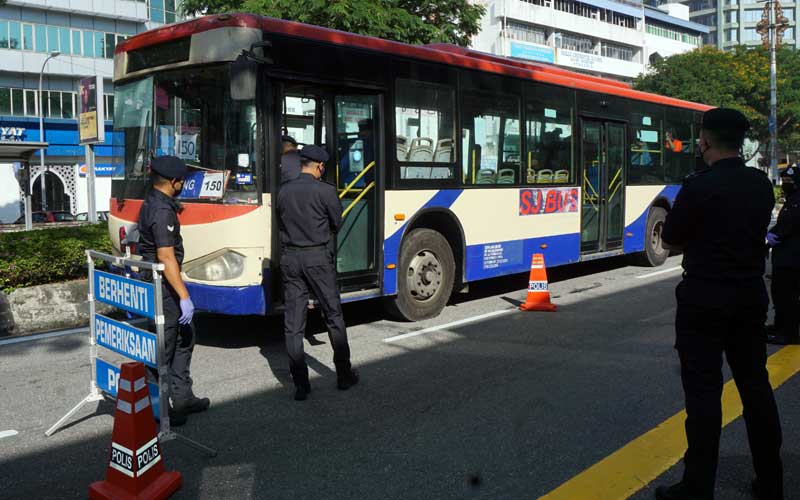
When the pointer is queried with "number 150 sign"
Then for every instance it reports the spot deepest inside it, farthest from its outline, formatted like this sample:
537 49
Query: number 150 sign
204 184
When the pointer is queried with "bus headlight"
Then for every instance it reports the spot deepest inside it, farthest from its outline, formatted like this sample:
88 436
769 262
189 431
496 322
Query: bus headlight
227 266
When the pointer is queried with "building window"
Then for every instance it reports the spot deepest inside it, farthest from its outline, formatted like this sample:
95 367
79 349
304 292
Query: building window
788 34
752 16
109 108
789 14
574 42
706 20
732 16
5 101
603 15
14 35
76 43
696 5
31 107
52 38
615 51
17 102
526 33
750 35
732 35
27 37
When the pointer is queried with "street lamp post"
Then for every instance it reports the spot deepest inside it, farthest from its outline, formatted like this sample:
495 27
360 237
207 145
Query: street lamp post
53 54
771 27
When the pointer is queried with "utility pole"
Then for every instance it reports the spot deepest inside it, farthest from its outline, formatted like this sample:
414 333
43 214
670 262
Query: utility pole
771 27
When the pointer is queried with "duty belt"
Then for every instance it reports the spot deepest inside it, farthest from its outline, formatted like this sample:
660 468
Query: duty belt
293 248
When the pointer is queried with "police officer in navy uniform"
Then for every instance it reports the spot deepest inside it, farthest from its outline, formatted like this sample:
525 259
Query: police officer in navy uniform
784 239
160 241
720 221
310 215
290 159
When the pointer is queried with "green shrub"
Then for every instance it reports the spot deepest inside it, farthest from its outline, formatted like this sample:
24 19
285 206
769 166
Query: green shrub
50 255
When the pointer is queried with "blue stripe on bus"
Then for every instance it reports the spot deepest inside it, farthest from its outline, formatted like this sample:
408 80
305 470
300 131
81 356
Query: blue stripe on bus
231 300
391 246
500 258
638 228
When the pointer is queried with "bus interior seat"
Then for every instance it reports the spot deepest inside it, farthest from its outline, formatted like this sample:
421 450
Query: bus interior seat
444 151
486 176
402 147
421 149
544 176
506 176
561 176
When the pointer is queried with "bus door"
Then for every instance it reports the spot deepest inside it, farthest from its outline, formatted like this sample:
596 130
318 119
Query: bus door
347 125
603 171
355 165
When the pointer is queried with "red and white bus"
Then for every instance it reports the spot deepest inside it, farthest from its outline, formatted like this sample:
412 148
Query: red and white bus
452 165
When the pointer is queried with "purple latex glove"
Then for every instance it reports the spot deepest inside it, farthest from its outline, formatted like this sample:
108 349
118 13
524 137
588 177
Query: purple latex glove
187 311
773 239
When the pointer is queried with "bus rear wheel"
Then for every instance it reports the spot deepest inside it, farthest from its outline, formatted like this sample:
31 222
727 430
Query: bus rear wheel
425 276
654 252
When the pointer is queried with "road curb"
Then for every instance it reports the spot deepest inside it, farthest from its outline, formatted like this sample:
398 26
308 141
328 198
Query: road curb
46 307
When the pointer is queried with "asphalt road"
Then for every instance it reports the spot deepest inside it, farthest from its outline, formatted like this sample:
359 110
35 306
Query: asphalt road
504 405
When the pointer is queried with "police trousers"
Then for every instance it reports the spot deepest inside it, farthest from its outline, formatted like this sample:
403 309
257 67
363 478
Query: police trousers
712 319
786 300
304 270
179 344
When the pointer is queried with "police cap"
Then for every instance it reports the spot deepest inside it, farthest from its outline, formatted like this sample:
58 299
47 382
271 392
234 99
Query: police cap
170 167
314 153
793 173
725 120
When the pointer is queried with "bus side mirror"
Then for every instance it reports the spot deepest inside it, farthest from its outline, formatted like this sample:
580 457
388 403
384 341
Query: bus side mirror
243 78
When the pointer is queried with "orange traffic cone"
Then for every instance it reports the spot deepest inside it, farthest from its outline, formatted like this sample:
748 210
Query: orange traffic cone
538 294
135 468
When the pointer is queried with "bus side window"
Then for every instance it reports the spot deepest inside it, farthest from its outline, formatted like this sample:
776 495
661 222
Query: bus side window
424 129
679 143
646 146
550 141
492 125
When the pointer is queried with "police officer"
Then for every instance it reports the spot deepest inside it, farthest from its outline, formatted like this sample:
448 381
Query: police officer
290 159
784 239
310 215
160 241
720 220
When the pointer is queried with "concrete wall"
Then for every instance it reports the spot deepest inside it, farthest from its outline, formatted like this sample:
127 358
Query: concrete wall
9 194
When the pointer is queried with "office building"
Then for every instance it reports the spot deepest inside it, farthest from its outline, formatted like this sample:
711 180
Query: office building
85 33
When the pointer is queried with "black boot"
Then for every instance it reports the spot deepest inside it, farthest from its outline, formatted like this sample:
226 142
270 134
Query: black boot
347 380
301 392
191 405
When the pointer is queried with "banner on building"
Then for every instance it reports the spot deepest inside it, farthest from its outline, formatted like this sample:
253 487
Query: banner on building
91 117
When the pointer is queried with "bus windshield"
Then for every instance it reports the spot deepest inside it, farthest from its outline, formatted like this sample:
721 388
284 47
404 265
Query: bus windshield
187 113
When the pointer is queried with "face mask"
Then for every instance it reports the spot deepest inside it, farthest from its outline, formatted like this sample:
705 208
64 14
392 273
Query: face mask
699 162
788 187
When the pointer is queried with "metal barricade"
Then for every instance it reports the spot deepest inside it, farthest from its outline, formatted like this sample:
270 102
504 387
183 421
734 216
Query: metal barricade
144 299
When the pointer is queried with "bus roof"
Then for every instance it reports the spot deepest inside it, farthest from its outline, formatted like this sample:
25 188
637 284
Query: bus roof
440 53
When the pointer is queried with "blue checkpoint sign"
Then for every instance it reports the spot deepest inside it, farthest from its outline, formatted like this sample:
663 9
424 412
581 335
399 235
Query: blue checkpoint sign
108 381
122 338
131 295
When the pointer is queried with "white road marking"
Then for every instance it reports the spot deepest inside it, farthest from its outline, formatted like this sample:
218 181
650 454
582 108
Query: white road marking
657 273
8 434
464 321
31 338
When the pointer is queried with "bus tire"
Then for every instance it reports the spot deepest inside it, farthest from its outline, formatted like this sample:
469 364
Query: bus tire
654 253
425 276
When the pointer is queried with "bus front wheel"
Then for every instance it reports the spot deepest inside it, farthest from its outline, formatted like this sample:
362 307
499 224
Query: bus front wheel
425 276
654 252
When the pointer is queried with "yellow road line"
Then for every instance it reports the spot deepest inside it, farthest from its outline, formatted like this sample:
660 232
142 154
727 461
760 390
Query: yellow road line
632 467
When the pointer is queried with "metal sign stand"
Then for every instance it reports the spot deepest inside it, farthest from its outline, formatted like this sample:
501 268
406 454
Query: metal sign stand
95 391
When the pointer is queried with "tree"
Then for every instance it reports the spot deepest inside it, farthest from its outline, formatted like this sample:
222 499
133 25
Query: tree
737 79
451 21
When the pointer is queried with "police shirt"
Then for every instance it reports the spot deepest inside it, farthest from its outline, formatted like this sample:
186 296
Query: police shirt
310 212
787 252
290 166
720 218
159 226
